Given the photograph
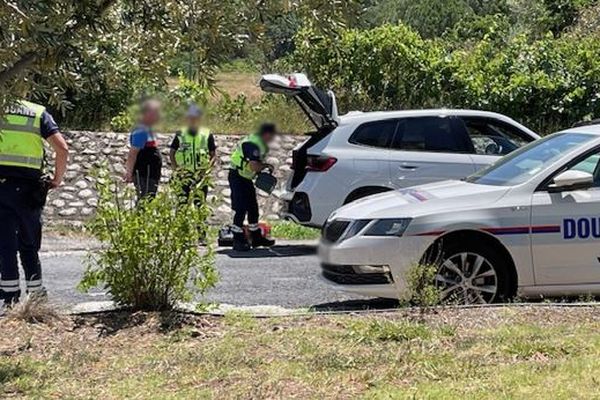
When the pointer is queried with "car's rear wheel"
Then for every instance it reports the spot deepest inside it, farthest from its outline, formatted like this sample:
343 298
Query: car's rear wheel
472 275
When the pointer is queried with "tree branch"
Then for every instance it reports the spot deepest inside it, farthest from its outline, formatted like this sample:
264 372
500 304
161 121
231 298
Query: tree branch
31 57
17 68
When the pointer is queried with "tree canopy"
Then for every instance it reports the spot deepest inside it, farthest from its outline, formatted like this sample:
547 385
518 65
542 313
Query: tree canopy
53 49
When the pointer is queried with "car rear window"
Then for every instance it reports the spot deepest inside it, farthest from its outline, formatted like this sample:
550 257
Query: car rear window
375 134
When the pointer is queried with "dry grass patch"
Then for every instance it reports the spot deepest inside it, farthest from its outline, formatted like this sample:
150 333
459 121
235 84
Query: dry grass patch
236 83
544 353
34 310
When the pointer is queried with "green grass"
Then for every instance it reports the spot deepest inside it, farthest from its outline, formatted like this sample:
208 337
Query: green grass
482 354
291 231
284 230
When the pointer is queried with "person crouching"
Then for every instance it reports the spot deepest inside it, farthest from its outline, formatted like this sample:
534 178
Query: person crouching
247 161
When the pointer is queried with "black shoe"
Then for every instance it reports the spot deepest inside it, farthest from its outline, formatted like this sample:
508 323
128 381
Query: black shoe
240 243
10 299
258 240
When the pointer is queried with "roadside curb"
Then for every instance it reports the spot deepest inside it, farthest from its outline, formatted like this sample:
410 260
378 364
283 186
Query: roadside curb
258 311
271 311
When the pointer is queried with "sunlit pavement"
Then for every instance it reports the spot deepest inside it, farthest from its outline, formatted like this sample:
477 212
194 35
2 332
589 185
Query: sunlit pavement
285 276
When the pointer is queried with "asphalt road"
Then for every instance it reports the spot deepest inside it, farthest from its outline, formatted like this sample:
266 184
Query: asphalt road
286 276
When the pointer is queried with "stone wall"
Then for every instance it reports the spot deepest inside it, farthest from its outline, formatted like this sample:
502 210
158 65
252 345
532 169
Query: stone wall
76 200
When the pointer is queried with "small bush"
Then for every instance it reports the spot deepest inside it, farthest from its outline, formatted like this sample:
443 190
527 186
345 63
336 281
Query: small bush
190 91
122 122
151 259
422 289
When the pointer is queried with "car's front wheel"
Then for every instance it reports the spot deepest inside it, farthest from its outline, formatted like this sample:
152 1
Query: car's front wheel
472 275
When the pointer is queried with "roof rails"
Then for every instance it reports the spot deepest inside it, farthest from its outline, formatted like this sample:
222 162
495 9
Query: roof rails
586 123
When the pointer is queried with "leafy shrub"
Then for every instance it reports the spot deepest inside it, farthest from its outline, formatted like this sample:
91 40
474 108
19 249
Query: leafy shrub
422 290
547 83
122 122
190 91
383 68
151 259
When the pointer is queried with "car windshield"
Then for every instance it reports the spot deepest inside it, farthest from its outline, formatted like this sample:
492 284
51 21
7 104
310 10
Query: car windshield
528 161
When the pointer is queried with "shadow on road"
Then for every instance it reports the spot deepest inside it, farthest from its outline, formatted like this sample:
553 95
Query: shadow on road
272 252
357 305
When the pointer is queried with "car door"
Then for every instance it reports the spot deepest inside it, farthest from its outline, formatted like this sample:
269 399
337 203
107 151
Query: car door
429 149
493 139
366 160
565 233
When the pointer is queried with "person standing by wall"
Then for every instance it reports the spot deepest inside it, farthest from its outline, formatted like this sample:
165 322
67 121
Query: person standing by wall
193 152
144 162
246 162
23 192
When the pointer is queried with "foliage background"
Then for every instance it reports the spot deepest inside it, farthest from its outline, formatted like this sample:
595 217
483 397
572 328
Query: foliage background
93 60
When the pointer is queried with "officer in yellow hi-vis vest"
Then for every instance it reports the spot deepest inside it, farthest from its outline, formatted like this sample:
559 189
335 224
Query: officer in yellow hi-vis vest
23 128
247 161
193 149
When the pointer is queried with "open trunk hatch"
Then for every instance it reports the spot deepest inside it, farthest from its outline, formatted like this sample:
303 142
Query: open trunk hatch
318 105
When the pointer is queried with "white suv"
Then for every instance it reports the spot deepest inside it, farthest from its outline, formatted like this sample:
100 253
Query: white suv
360 154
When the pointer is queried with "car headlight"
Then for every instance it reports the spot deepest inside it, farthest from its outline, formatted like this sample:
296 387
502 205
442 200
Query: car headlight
355 228
388 227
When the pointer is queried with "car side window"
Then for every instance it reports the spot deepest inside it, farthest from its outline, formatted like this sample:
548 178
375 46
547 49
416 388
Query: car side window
590 165
491 137
375 134
431 134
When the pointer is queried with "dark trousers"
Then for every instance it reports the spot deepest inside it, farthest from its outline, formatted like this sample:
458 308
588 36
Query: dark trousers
145 186
243 200
20 232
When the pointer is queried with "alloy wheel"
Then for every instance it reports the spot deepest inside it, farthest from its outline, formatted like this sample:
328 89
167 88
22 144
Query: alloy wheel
467 278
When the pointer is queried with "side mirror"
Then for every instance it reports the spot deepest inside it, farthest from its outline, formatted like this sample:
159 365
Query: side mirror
572 180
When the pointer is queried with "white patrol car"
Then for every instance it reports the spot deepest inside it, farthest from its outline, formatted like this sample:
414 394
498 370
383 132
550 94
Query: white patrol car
528 223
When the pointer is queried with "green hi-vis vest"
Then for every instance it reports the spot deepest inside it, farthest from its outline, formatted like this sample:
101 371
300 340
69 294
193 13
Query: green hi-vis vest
192 153
237 158
21 143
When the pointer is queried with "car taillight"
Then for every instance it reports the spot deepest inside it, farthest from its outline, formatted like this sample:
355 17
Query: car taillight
320 163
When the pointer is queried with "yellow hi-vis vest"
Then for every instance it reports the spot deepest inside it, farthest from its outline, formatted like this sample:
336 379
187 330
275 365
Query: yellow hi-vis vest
237 158
192 153
21 143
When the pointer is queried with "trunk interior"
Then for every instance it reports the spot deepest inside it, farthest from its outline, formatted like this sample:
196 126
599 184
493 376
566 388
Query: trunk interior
299 157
